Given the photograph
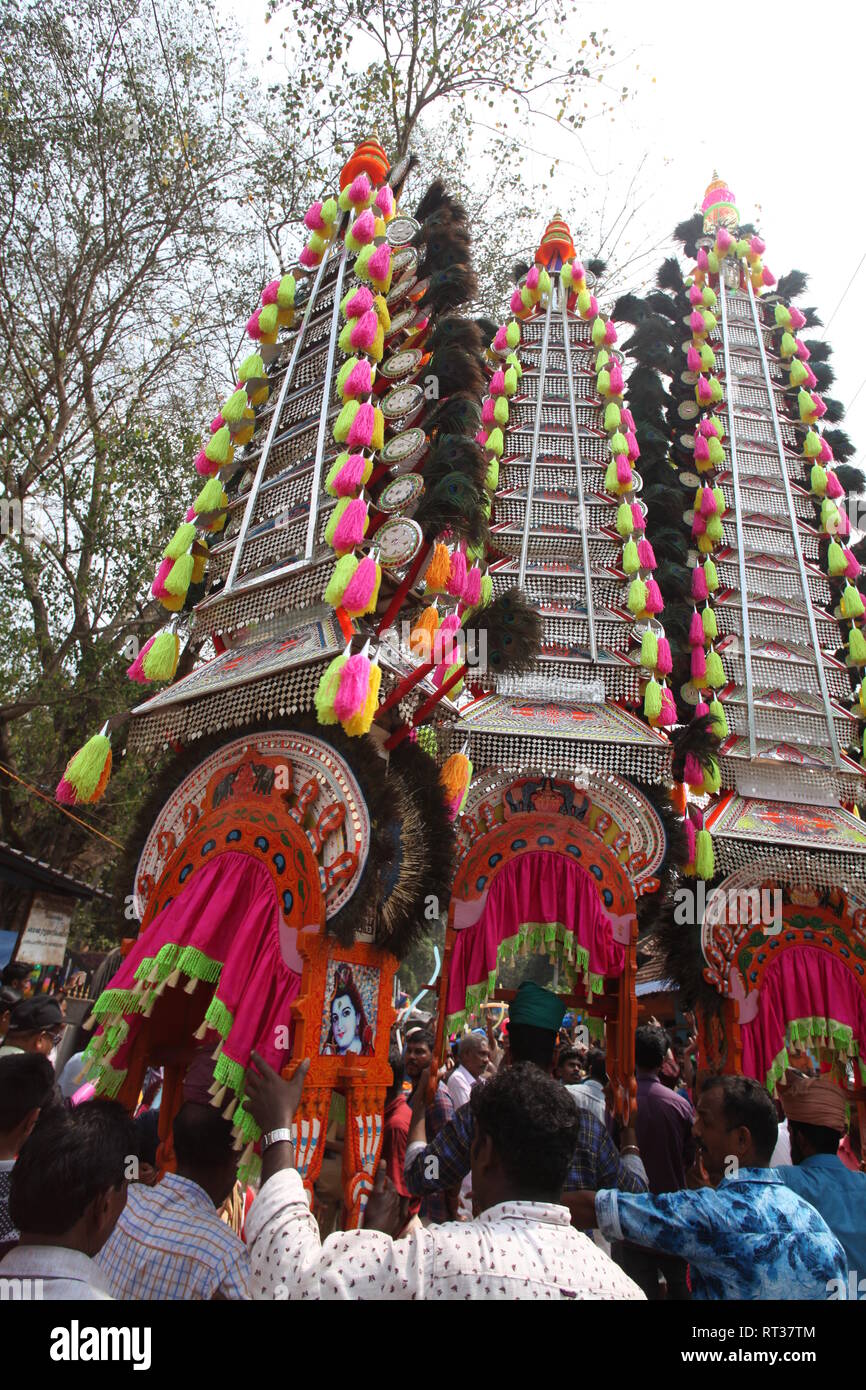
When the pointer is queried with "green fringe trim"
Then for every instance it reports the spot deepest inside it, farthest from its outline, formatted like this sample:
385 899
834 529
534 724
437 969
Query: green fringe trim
556 941
219 1018
245 1125
118 1001
250 1172
165 962
829 1038
198 966
594 1026
106 1081
230 1073
107 1042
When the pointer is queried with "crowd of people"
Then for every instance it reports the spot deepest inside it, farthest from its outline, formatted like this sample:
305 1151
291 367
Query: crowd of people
506 1175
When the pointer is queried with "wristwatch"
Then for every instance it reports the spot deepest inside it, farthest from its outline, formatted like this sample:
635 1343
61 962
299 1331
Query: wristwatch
276 1136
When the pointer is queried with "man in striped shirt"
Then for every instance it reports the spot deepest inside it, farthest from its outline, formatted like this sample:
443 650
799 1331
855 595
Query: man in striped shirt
170 1243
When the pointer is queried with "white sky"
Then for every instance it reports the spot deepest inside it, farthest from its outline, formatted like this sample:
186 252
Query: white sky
771 95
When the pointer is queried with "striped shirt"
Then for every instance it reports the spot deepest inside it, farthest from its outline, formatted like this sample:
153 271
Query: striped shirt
170 1244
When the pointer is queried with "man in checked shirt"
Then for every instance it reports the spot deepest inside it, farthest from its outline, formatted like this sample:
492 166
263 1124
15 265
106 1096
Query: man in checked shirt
535 1016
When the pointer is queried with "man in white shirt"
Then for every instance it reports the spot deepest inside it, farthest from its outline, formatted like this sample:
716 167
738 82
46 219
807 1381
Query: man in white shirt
473 1054
590 1093
521 1246
68 1189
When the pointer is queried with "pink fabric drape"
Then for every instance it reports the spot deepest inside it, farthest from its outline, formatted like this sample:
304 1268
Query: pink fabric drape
229 912
537 889
802 983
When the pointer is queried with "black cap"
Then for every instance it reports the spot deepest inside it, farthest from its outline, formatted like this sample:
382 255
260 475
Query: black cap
8 997
36 1015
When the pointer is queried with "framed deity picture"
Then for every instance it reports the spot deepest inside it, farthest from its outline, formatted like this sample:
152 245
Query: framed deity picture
351 1008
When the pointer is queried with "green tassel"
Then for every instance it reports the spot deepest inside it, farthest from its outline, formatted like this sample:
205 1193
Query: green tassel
612 417
717 395
363 260
601 359
344 420
179 576
584 302
598 331
782 315
805 404
618 444
346 370
857 647
527 298
717 453
636 597
630 560
708 357
721 504
326 691
160 662
210 499
611 482
818 480
715 671
510 381
788 345
711 575
513 360
491 477
344 342
334 471
719 718
495 442
500 410
252 368
217 447
486 589
829 515
715 530
84 770
812 445
340 579
233 410
544 283
512 334
180 541
852 602
329 211
652 700
624 519
712 777
334 519
713 262
602 384
286 292
649 651
836 562
797 374
710 626
708 295
709 319
705 865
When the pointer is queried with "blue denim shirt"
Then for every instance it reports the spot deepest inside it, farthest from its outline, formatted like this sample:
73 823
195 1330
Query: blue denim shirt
751 1237
839 1195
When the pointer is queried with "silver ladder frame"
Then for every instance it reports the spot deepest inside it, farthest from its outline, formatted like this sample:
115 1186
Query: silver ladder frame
536 433
578 462
792 514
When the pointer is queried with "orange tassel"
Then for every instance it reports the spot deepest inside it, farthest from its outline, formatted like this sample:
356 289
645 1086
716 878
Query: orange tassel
421 636
679 797
439 570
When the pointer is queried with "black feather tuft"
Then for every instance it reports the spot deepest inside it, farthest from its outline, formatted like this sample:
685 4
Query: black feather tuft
596 266
450 288
459 414
824 375
628 309
437 199
696 737
811 317
519 271
452 452
792 285
852 479
663 305
455 369
670 276
819 351
456 502
688 232
488 329
512 629
453 331
841 445
835 411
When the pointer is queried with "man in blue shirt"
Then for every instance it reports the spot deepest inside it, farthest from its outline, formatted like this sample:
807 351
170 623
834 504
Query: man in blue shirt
746 1235
815 1108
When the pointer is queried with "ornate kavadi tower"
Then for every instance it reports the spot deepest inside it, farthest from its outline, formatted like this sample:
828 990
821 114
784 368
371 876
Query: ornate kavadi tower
293 836
566 826
762 583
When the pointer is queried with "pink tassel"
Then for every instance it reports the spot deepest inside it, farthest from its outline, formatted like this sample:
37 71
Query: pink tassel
352 690
516 304
811 379
633 446
216 424
705 394
627 419
646 555
438 675
700 591
696 297
638 518
708 428
617 385
803 352
703 263
654 601
853 564
204 466
359 382
623 470
497 383
364 227
693 773
269 293
699 525
834 487
191 514
361 301
253 330
532 278
664 661
385 200
843 527
158 588
136 670
702 449
488 411
593 306
723 239
708 503
577 270
693 359
481 437
472 592
363 335
699 663
308 258
458 575
820 407
65 793
826 454
450 624
380 262
500 342
696 630
361 586
668 714
350 528
757 246
610 333
696 322
350 477
768 277
361 429
701 710
313 220
360 190
798 320
691 841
